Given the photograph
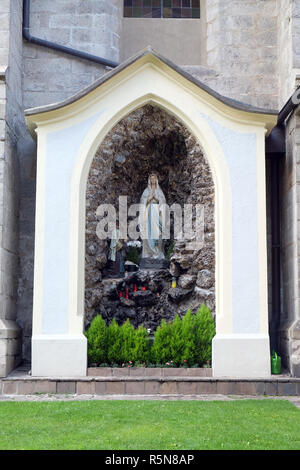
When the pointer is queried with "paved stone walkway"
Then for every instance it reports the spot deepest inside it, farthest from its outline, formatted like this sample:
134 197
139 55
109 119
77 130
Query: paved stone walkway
70 397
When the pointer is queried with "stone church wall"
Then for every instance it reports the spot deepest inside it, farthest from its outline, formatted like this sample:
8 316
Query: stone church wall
285 52
240 60
90 26
242 46
11 123
289 79
290 241
296 33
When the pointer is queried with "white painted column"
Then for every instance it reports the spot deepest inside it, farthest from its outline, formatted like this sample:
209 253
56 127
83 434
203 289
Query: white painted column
241 348
59 347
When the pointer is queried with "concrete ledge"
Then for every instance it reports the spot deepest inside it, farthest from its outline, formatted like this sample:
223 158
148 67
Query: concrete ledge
280 386
149 372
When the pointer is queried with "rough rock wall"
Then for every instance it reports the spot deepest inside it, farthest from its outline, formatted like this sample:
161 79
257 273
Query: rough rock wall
147 140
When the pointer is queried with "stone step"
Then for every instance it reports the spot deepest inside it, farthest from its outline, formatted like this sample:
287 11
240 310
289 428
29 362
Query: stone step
149 372
159 386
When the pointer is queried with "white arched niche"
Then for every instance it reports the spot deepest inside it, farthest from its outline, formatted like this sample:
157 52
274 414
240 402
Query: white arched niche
232 136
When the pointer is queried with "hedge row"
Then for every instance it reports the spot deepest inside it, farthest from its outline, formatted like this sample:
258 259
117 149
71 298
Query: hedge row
184 342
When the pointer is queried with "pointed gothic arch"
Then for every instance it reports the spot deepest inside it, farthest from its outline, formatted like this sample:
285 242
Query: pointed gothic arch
232 137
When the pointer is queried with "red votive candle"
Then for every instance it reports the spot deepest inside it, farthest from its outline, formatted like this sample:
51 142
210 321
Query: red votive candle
143 288
134 288
120 294
126 293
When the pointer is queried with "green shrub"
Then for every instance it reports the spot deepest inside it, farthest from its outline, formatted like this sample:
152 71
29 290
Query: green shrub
114 343
161 349
186 341
141 349
183 340
188 332
177 342
204 332
127 340
125 344
97 340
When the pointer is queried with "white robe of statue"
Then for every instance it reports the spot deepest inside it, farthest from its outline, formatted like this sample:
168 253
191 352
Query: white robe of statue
152 207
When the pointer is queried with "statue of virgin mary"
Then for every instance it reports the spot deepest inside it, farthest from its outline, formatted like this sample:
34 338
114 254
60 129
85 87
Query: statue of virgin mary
152 207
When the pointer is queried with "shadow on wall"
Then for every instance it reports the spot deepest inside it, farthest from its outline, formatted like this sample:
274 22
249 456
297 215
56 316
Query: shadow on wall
27 162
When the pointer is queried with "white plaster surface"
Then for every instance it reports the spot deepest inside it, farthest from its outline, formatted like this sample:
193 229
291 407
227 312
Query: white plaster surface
241 356
240 153
59 356
62 150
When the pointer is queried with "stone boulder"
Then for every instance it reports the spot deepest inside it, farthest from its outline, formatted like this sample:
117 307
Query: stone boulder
186 281
205 279
174 269
143 298
177 294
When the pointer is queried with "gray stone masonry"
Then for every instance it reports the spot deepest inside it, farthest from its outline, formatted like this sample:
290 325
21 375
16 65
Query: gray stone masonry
288 70
242 45
288 47
290 236
295 14
285 51
91 26
11 123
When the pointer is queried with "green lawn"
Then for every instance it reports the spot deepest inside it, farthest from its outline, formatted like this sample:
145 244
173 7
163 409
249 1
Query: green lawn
150 425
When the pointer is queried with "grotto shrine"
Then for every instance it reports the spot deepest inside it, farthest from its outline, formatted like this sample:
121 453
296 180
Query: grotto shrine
149 133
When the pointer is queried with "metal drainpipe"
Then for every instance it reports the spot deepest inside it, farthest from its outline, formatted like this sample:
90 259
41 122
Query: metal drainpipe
58 47
275 150
276 247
